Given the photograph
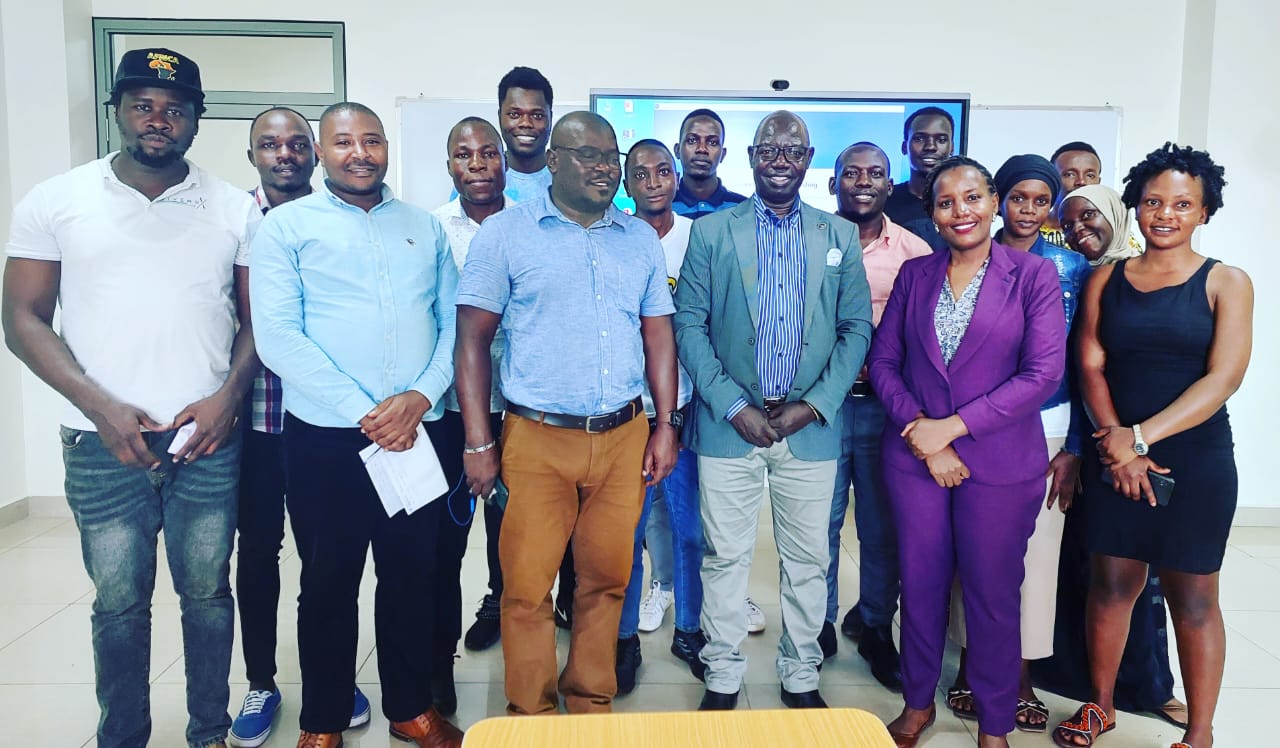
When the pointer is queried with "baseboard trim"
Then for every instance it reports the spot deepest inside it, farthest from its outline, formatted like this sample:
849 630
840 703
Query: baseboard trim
1257 516
14 512
48 506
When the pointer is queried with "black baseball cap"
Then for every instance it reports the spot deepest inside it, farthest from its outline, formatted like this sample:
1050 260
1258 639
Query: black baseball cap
158 67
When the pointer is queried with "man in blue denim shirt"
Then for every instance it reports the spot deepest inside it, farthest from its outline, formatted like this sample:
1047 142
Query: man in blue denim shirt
580 290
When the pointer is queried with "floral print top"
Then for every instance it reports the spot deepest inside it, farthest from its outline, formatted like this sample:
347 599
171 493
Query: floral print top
951 315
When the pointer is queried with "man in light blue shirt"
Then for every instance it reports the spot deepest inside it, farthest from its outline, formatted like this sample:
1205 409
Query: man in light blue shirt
524 115
353 292
581 292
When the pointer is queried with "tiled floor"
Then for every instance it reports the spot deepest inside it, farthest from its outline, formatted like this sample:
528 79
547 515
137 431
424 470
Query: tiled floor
46 662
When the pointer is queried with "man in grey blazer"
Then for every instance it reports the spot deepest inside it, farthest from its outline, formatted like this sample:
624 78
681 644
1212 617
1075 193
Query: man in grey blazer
773 319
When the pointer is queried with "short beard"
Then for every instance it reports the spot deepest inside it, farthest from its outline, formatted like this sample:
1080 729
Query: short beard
158 161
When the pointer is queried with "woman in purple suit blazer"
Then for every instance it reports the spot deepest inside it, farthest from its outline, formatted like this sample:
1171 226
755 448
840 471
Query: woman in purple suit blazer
970 345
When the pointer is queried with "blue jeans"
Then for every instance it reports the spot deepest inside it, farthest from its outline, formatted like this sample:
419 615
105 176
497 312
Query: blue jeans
680 492
859 464
657 540
120 511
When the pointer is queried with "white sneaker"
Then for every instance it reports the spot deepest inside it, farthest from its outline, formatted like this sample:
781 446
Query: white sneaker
755 617
653 608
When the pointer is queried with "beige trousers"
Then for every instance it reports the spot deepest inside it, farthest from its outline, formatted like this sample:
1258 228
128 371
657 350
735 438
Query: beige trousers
1039 587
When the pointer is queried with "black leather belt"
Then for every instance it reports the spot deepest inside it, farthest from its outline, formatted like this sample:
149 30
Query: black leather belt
590 424
861 388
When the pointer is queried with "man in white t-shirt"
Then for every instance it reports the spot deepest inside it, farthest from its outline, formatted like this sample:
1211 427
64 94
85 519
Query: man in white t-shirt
650 178
147 254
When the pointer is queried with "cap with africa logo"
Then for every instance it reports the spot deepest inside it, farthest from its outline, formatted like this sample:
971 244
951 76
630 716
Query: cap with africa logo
158 67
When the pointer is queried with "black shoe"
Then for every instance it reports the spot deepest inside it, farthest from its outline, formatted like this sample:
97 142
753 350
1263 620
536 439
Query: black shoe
564 614
876 647
807 700
444 697
627 663
827 640
687 646
714 701
852 625
487 629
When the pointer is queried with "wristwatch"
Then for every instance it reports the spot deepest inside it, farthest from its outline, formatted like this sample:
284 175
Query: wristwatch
1139 446
676 419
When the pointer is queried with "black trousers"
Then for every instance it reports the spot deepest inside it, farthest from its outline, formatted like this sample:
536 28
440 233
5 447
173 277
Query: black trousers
456 518
261 533
336 515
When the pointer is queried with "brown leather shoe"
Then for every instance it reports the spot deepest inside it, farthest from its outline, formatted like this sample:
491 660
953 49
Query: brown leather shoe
428 730
320 740
909 739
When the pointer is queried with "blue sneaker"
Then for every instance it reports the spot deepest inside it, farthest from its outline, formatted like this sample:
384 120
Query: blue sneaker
253 725
360 712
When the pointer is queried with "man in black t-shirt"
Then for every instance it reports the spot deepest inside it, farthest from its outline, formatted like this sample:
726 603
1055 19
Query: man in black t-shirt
928 136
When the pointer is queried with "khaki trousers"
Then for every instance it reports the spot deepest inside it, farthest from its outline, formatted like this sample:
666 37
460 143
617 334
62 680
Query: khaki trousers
733 492
566 485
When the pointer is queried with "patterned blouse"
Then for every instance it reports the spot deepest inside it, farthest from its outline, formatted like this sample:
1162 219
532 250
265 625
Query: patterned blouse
951 315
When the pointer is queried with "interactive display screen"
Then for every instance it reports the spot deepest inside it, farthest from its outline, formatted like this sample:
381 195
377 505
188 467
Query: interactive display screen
834 120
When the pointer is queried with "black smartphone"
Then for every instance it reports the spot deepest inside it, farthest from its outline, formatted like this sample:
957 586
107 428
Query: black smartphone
499 496
1161 485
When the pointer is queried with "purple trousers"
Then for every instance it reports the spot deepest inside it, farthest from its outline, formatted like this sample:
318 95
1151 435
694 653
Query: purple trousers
981 532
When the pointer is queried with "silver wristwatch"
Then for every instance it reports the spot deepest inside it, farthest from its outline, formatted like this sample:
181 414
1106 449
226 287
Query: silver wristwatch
1139 446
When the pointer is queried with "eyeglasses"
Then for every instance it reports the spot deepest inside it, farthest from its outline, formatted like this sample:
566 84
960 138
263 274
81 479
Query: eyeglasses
796 154
592 157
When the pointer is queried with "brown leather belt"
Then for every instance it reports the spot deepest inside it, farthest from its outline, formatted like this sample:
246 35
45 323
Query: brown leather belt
591 424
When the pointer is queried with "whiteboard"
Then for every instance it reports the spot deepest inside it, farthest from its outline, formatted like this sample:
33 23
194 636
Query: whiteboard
424 132
995 134
998 132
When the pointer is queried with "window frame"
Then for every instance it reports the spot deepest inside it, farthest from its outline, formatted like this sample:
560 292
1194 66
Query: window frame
234 105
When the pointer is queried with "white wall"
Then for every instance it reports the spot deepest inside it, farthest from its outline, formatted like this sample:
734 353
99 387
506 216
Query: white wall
13 471
1128 54
1241 114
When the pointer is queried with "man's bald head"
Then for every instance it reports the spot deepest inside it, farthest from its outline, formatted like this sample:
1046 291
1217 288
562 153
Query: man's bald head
585 164
570 129
782 122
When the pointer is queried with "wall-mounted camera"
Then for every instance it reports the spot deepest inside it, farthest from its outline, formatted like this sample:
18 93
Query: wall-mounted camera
780 84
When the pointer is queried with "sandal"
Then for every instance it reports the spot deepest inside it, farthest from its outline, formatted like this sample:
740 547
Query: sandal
1172 711
1081 725
955 699
1027 708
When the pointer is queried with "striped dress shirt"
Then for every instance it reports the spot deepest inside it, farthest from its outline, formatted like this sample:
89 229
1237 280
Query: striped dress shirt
780 279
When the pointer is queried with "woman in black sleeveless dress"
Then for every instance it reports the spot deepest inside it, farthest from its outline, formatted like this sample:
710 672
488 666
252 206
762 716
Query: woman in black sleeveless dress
1164 341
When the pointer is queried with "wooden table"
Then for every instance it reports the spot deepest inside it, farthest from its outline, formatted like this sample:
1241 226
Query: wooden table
748 728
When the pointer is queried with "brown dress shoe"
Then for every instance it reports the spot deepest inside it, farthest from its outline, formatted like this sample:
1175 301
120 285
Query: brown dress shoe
909 739
320 740
428 730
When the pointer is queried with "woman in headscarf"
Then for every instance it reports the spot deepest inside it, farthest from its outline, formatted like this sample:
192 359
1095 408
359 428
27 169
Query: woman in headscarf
1095 223
1029 186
